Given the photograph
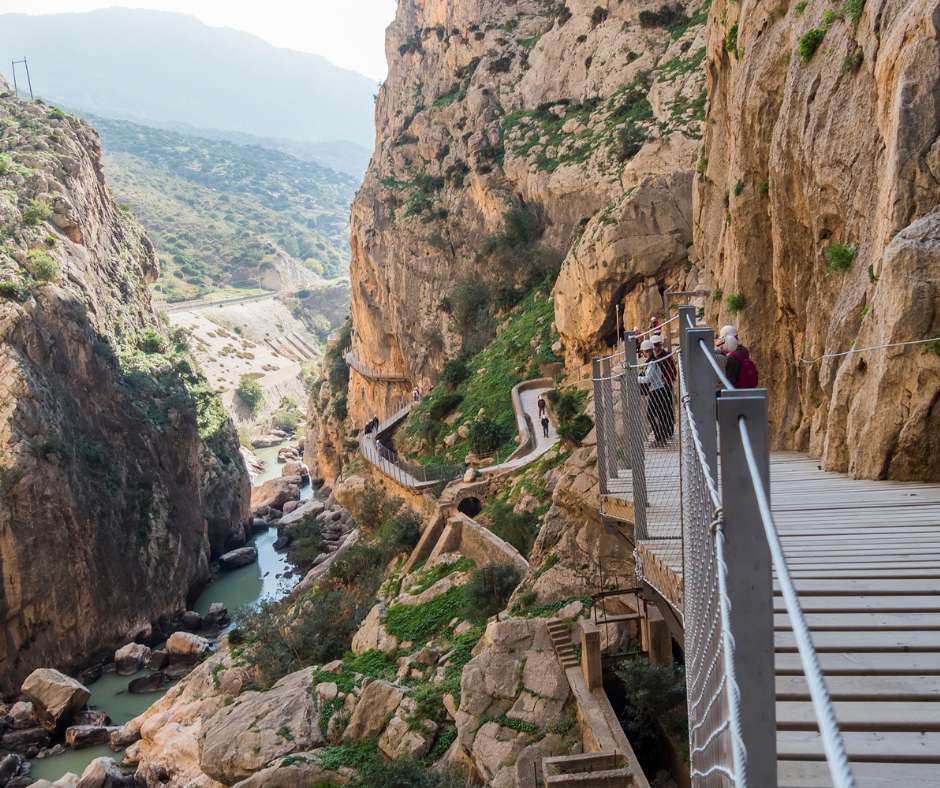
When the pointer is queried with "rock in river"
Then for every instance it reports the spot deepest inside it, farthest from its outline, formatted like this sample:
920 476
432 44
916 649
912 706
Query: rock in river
186 648
131 658
55 697
153 683
238 558
78 737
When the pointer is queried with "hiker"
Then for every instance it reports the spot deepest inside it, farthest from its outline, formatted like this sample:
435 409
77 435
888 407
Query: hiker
367 430
379 447
417 394
545 424
659 404
375 425
654 324
741 371
667 366
541 404
636 335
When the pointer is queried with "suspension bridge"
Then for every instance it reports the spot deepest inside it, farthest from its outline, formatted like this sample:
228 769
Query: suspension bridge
806 603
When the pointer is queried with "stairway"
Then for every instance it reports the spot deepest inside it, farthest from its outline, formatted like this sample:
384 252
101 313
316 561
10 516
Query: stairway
561 640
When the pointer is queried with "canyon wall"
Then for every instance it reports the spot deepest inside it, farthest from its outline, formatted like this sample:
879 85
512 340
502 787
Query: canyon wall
120 470
514 139
816 201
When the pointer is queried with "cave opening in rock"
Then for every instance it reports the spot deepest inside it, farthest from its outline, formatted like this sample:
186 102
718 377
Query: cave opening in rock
470 507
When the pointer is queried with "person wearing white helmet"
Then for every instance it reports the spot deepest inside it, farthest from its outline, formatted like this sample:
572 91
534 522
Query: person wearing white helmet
667 365
659 404
737 359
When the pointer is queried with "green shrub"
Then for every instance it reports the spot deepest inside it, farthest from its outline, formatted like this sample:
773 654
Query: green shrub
852 62
486 436
444 405
306 538
14 291
478 598
839 258
735 303
567 404
667 16
44 267
374 508
655 699
599 16
285 421
500 66
717 295
10 476
853 10
420 623
341 408
249 391
36 212
454 373
520 530
738 188
810 43
630 140
764 188
152 342
576 430
56 114
799 8
303 293
731 40
125 207
470 314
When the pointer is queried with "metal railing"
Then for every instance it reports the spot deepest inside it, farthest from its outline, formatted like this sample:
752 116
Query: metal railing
730 550
363 370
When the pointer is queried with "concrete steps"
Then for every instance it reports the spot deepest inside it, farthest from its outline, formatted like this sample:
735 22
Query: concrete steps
561 640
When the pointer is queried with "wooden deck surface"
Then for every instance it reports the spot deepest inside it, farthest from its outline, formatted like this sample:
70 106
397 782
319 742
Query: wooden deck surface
865 556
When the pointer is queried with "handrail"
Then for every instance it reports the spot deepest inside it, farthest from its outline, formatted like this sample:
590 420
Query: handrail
363 370
833 745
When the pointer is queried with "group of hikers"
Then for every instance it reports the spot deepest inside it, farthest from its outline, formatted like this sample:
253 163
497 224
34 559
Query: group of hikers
658 374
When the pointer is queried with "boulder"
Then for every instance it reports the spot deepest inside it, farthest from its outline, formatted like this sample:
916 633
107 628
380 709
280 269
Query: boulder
22 741
158 660
312 508
236 559
55 697
125 736
402 739
295 771
191 620
10 767
216 617
267 441
23 716
131 658
155 682
276 492
186 648
105 773
176 672
282 543
288 454
426 656
296 469
372 634
91 675
259 526
78 737
241 739
95 717
469 476
378 700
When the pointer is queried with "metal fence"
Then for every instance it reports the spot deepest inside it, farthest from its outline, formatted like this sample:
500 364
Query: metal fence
720 514
363 370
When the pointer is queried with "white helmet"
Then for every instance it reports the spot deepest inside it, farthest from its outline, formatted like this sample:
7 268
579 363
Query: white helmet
728 331
731 343
647 345
656 339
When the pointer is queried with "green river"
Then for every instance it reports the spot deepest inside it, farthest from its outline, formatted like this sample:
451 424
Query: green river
243 586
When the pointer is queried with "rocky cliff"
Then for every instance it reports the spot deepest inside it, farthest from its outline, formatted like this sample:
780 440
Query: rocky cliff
120 470
815 211
514 140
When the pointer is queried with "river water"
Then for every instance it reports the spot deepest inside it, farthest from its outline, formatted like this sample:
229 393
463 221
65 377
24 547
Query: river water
243 586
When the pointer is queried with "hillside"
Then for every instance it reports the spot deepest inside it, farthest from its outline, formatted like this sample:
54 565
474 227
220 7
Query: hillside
119 471
219 213
156 68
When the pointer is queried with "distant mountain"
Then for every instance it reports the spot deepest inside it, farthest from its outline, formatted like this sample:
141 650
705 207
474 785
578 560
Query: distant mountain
163 69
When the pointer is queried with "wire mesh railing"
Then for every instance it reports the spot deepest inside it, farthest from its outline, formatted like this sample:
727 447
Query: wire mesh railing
350 358
730 549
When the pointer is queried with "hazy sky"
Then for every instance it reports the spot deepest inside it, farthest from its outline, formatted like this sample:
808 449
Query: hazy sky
349 34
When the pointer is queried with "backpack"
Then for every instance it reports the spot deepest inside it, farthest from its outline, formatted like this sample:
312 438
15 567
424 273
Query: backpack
748 377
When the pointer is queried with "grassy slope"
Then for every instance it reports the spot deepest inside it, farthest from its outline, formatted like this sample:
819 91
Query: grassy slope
508 360
211 206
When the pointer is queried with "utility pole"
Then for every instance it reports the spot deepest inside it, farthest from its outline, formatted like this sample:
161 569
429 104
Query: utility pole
28 80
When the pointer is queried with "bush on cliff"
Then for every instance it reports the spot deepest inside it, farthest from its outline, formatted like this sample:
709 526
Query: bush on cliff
250 392
479 600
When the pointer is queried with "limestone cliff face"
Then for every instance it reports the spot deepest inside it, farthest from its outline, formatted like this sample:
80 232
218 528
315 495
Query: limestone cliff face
120 471
803 152
576 113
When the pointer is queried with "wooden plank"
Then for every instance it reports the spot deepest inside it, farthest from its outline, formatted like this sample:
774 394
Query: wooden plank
866 587
911 689
870 747
860 622
864 604
877 716
815 774
829 573
848 663
881 640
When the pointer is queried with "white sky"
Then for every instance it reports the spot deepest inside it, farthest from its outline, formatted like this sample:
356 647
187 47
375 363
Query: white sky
349 33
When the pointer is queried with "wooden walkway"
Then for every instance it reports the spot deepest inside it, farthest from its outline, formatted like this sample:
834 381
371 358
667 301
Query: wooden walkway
865 556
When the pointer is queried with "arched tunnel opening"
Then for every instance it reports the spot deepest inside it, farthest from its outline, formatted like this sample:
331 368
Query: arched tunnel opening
470 507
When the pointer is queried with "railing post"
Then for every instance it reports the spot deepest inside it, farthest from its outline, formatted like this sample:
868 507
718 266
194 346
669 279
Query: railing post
700 384
633 414
750 579
601 421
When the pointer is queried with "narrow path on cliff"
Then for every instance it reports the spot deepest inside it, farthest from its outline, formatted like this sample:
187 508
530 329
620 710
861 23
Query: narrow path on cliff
541 444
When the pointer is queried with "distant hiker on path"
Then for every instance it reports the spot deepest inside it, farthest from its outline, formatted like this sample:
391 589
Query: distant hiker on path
541 404
669 372
417 394
659 411
545 423
740 370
